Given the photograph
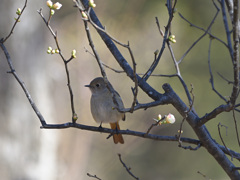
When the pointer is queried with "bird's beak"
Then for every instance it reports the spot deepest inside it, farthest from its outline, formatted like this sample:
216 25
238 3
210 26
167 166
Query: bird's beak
87 86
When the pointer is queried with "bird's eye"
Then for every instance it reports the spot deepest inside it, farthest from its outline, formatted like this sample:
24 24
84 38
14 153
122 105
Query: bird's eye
97 85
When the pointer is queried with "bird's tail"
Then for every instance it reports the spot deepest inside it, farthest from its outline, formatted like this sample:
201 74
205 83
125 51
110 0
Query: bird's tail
117 138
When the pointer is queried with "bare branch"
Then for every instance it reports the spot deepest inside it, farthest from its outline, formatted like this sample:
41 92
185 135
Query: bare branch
211 74
14 25
125 132
135 90
236 127
93 176
214 113
74 115
155 124
204 34
176 64
220 135
228 33
189 110
170 8
228 81
14 73
235 58
203 175
128 169
190 147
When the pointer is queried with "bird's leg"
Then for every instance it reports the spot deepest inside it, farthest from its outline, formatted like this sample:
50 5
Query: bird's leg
100 126
116 129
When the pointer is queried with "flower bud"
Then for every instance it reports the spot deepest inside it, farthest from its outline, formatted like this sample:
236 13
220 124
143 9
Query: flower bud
180 132
75 117
19 11
49 3
84 15
74 53
172 38
170 119
57 6
49 50
53 51
52 12
92 4
156 52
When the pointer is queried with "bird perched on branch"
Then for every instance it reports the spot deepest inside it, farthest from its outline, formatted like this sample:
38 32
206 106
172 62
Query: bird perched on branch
103 107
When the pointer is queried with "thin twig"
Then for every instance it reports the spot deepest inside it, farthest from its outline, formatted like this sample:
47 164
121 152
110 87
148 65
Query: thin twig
156 61
176 64
204 34
155 124
228 81
74 115
116 71
214 113
203 175
220 135
14 73
144 106
14 25
190 147
210 72
148 72
189 110
93 176
127 168
135 90
236 127
202 29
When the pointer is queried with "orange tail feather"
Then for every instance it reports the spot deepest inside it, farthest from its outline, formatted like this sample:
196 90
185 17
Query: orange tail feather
117 138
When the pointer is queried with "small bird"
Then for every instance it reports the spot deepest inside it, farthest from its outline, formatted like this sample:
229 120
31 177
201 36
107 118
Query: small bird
103 108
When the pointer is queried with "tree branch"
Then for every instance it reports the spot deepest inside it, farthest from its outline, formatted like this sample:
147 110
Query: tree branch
47 23
128 169
235 58
14 25
14 73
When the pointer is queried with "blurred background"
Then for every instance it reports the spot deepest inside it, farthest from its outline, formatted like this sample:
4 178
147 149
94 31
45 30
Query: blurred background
30 153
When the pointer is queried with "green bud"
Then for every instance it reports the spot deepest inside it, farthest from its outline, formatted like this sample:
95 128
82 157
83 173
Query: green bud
84 15
92 4
49 51
19 11
74 53
49 3
52 12
75 117
172 38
